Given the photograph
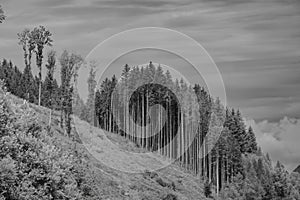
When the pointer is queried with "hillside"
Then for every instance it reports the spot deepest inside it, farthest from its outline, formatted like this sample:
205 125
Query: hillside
171 182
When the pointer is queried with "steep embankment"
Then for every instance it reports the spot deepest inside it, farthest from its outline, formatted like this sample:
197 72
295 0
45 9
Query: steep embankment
171 182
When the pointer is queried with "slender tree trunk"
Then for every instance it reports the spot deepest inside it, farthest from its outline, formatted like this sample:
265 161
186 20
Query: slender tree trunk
61 111
217 173
146 121
40 87
143 118
39 59
50 116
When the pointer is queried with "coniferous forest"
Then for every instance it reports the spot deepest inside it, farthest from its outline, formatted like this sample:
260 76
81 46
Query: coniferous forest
164 115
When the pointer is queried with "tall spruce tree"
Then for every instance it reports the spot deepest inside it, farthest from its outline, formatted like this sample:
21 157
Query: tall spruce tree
91 95
97 107
28 85
250 145
50 83
281 182
240 133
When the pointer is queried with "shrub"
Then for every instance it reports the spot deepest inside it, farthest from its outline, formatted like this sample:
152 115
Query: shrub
33 165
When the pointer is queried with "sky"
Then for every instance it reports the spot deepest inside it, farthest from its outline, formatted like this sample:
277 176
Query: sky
254 43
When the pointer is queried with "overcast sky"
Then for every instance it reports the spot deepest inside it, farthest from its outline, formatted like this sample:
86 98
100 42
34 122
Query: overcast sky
255 44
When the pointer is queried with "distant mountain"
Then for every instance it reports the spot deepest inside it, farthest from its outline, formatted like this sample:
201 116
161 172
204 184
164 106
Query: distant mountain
297 169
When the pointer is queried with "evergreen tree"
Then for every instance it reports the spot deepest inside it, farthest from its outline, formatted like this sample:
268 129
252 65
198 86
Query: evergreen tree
97 107
295 182
250 144
159 76
91 96
259 152
240 132
28 83
252 187
103 100
269 161
50 84
17 83
2 16
280 182
260 170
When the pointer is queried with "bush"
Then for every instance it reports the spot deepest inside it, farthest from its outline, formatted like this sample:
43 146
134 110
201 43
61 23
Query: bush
33 165
5 113
161 182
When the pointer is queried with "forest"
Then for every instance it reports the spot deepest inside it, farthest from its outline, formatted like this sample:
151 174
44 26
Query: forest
164 115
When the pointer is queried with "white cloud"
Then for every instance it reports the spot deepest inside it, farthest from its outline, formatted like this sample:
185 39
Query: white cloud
280 139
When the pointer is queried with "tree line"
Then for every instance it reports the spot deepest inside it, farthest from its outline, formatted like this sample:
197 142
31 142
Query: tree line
262 181
232 165
187 131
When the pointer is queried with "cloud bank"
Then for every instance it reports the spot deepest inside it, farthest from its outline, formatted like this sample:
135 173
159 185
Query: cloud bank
279 139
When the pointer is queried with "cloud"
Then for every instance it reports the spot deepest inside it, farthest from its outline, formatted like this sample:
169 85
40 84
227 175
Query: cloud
280 139
254 43
54 3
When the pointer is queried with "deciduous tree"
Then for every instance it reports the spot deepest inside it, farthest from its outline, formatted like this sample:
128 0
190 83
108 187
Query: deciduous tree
41 38
70 64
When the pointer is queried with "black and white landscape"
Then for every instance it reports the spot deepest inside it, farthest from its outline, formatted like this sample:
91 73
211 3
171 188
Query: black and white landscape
145 100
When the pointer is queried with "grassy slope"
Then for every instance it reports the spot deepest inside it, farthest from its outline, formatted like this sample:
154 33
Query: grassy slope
114 184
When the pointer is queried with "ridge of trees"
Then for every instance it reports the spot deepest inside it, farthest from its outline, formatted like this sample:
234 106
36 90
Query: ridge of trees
225 159
235 168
